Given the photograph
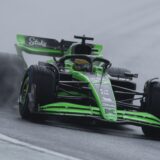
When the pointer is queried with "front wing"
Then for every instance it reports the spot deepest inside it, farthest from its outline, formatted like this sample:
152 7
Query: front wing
129 117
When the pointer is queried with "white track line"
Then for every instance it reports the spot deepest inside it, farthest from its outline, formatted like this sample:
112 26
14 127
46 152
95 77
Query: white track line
36 148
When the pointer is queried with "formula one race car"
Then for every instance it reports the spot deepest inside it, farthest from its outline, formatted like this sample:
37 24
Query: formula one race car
78 81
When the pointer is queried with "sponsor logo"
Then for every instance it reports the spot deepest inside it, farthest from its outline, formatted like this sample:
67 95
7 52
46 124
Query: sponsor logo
32 41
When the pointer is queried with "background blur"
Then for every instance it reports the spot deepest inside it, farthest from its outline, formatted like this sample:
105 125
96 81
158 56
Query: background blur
129 30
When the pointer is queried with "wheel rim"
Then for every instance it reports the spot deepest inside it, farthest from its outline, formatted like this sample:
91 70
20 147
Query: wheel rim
24 92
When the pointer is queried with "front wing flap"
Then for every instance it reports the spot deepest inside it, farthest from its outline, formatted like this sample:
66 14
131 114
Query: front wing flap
128 117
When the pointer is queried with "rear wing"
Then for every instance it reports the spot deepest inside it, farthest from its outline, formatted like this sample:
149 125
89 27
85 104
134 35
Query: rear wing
42 46
49 47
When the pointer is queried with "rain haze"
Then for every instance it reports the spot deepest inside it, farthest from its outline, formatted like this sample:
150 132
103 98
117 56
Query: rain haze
129 30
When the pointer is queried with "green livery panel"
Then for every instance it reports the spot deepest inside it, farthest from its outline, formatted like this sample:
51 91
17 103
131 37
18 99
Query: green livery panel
39 46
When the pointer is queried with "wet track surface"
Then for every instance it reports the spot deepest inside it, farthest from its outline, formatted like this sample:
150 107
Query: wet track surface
80 139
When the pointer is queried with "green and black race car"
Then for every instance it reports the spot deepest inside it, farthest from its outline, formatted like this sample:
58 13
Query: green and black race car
78 81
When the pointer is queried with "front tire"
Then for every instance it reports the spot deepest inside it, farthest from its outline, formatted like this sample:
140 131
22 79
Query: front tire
38 88
151 132
151 105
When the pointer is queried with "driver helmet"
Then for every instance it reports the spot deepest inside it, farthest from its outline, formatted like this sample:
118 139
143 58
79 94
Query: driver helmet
81 65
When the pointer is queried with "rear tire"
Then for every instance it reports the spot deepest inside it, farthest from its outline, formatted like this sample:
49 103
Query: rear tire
152 106
38 88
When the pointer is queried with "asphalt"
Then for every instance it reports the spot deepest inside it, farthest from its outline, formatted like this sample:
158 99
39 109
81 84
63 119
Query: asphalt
78 139
16 152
